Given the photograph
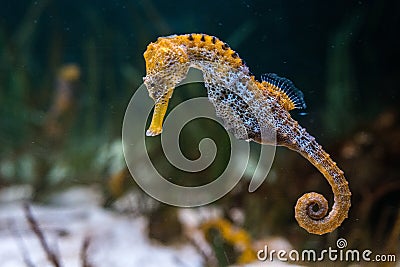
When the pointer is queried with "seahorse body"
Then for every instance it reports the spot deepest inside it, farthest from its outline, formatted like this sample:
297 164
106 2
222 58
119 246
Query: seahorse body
252 110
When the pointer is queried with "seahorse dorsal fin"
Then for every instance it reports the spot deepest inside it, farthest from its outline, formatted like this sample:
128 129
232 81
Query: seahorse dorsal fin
286 87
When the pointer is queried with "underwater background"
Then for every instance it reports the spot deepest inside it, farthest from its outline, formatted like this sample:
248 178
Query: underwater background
69 68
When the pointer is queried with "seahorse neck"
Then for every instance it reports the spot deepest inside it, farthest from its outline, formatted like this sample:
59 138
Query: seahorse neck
210 61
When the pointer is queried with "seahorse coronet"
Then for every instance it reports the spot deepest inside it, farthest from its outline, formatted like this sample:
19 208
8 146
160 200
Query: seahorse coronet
249 109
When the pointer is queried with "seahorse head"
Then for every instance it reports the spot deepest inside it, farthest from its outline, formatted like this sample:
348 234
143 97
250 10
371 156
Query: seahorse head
167 64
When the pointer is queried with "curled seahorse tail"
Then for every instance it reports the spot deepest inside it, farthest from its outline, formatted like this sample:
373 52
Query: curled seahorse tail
311 210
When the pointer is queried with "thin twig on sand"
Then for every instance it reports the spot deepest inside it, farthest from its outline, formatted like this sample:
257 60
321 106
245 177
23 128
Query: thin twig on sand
51 256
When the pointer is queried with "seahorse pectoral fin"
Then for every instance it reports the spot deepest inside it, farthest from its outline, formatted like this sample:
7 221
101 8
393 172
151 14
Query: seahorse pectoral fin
290 96
160 109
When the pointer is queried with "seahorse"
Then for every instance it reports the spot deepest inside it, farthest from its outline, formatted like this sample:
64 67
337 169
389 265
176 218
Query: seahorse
252 110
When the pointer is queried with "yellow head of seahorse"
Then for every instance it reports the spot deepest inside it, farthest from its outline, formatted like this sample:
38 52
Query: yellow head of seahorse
166 65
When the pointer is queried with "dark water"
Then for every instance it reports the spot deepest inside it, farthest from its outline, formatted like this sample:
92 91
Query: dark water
348 46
